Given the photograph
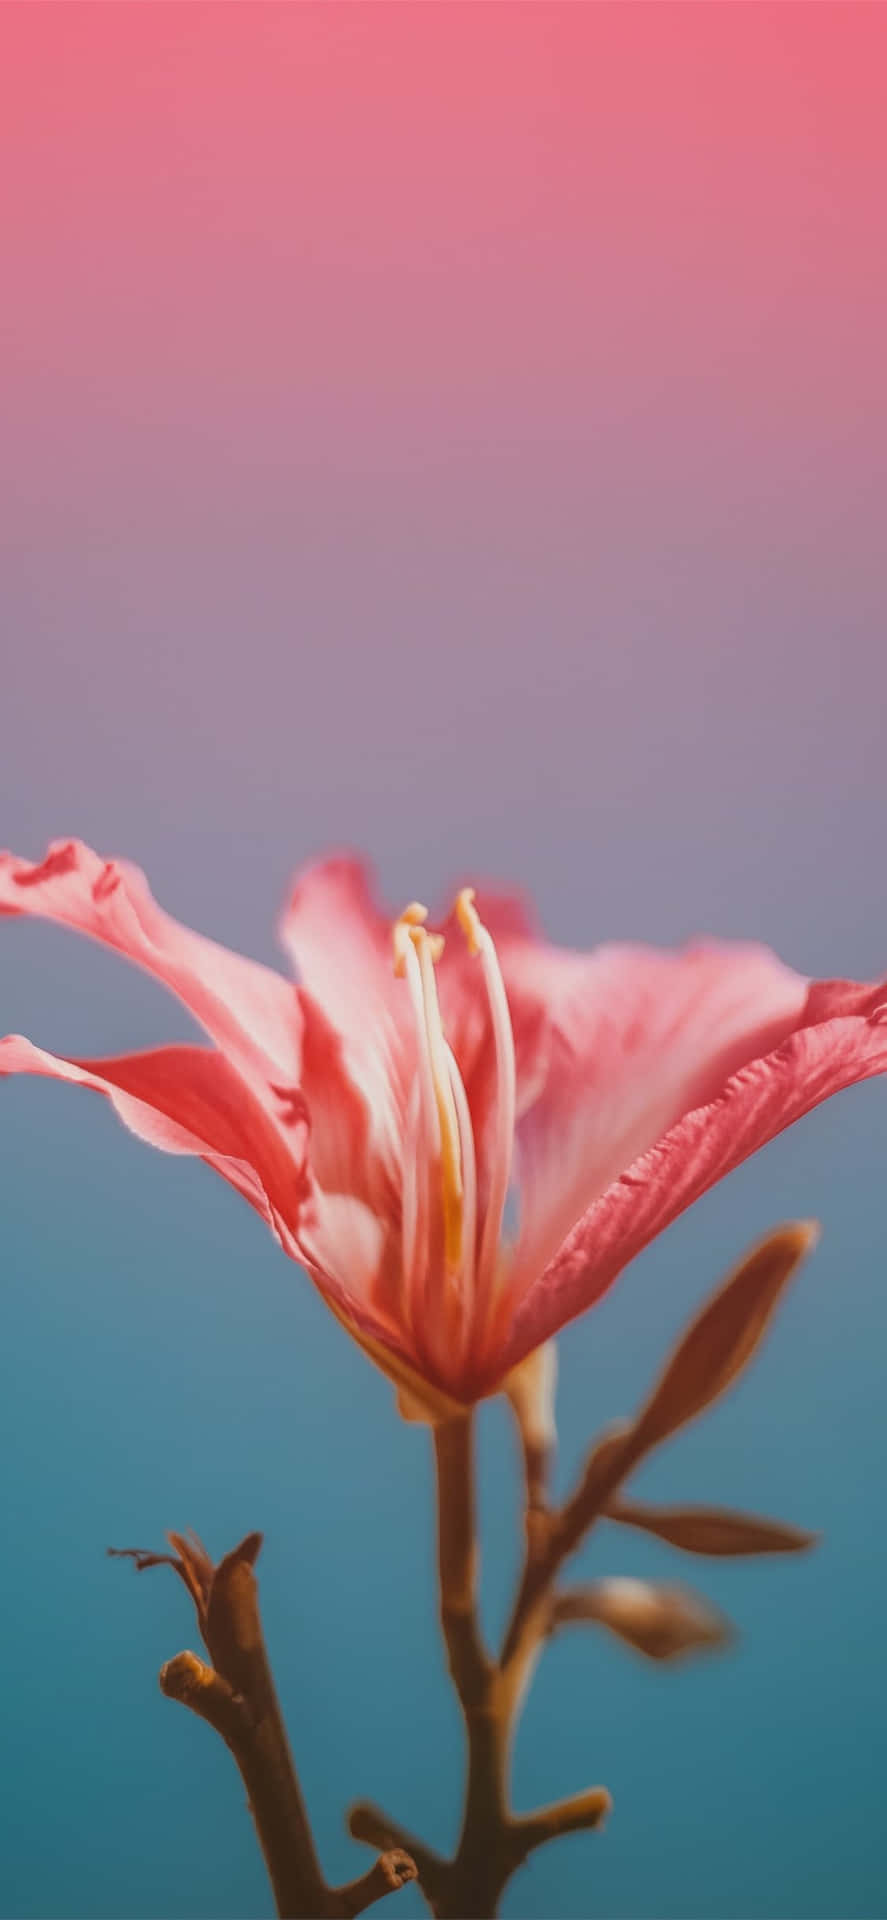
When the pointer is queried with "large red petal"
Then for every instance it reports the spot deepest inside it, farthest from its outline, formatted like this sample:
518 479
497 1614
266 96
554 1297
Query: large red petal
842 1039
632 1039
188 1100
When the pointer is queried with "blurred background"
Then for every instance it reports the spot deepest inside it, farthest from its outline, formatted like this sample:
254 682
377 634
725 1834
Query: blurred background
458 432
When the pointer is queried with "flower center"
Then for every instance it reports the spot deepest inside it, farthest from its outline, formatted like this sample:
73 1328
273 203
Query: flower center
440 1188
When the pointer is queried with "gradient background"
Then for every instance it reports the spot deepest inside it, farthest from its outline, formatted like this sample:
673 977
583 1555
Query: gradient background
458 431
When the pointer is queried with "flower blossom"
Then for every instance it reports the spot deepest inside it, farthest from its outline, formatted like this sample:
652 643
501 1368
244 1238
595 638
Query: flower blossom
463 1134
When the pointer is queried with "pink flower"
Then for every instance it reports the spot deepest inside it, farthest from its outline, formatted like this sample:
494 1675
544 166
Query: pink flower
463 1139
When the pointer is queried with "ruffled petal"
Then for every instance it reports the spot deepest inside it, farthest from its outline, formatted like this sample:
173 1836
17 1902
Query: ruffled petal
841 1039
188 1100
249 1011
622 1042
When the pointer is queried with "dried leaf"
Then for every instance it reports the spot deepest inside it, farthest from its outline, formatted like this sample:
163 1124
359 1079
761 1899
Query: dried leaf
724 1336
195 1566
661 1622
183 1561
712 1530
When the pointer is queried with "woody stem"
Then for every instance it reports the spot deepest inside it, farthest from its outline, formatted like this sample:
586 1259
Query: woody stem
476 1876
253 1731
551 1544
458 1558
236 1696
494 1842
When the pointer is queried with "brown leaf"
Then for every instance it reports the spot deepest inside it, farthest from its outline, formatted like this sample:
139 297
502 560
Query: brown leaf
661 1622
610 1456
195 1567
724 1336
711 1530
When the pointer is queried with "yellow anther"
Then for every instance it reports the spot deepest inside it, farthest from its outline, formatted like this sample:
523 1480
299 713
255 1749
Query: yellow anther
406 928
409 928
469 918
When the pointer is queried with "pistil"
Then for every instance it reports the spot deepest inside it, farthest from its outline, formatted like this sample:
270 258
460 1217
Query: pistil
481 944
415 952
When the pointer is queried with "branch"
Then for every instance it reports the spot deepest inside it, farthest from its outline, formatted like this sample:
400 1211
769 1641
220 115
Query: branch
236 1696
530 1390
457 1556
578 1814
391 1871
493 1841
368 1823
195 1685
606 1467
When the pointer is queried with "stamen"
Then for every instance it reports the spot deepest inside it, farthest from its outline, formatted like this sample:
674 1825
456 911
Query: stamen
401 933
414 1224
450 1156
480 942
406 963
415 953
469 1179
469 919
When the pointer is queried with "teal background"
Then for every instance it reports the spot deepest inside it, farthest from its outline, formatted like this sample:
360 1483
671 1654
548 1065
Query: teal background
457 432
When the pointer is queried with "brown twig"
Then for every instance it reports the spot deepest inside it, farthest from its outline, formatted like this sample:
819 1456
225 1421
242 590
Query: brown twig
236 1696
494 1842
368 1823
392 1870
577 1814
605 1470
